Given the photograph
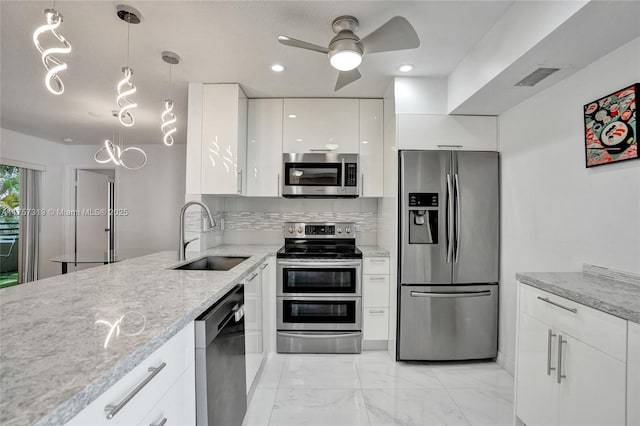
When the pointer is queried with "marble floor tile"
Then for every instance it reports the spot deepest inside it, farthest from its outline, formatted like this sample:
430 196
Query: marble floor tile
260 406
376 374
320 372
271 372
486 376
319 407
408 407
484 407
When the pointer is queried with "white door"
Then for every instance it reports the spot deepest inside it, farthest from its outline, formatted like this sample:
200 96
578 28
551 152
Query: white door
537 402
594 389
321 125
91 223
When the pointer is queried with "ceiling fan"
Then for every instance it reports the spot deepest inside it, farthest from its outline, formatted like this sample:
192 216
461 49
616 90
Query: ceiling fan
347 49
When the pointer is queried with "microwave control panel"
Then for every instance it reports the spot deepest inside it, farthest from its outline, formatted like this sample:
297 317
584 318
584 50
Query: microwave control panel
351 171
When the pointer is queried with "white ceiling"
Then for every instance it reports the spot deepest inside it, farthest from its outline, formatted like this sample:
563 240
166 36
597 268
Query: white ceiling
219 42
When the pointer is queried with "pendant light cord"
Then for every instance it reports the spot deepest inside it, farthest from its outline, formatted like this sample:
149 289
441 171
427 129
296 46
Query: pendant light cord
128 36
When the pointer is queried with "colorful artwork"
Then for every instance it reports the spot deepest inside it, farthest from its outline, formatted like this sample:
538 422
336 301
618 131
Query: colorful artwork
611 131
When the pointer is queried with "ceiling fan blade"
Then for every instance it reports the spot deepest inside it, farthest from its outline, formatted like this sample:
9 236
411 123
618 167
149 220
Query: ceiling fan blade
288 41
396 34
347 77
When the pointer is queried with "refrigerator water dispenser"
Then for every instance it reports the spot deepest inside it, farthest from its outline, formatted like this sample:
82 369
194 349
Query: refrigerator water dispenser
423 218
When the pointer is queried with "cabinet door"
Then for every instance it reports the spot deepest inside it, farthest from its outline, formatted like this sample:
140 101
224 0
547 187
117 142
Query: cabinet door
537 397
223 139
375 291
194 140
594 389
264 147
178 405
253 338
371 147
633 374
267 273
464 132
375 323
321 125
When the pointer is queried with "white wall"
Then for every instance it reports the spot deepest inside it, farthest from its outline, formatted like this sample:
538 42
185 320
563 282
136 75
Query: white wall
153 194
556 214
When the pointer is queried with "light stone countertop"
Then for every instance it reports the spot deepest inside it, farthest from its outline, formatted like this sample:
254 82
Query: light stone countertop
52 357
614 297
373 251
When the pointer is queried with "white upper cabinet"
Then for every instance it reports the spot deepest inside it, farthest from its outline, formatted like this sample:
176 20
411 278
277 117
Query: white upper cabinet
321 125
217 139
264 147
462 132
371 147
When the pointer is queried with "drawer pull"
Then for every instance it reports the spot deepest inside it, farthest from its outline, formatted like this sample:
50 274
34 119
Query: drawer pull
160 423
561 341
114 409
449 146
550 336
546 299
379 311
377 278
264 265
252 277
377 260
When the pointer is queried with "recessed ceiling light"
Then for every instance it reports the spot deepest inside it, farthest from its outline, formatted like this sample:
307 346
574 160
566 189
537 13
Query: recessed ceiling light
405 68
277 67
67 140
292 116
365 142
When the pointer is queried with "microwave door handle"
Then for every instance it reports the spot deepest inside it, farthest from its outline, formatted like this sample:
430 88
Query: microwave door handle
344 177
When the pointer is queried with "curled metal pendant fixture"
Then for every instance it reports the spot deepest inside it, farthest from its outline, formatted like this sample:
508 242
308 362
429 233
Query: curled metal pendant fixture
52 63
126 158
168 127
125 89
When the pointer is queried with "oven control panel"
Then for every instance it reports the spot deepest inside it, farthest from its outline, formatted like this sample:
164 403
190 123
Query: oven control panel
319 230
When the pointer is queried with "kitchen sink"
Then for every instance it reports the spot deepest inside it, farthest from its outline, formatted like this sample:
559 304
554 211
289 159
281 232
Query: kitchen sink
212 263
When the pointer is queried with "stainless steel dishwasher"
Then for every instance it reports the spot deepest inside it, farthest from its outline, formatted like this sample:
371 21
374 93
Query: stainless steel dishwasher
221 397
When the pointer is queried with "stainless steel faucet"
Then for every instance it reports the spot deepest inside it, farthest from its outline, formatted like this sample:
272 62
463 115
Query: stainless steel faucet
182 244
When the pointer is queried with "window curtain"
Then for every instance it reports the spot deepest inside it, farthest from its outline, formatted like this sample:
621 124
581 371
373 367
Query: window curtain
29 225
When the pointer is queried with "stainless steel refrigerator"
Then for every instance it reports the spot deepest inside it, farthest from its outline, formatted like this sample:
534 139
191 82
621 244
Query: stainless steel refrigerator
448 255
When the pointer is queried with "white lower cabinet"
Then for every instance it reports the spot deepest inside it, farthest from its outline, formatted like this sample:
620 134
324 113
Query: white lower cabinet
633 375
375 299
178 405
253 320
159 371
562 379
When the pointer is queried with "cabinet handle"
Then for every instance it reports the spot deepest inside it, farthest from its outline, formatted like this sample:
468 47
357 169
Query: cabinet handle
252 277
549 337
362 185
264 265
160 423
450 146
378 311
546 299
561 341
278 188
382 260
114 409
319 150
377 278
240 187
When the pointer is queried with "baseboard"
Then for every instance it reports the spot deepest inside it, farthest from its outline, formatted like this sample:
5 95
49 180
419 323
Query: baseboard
374 345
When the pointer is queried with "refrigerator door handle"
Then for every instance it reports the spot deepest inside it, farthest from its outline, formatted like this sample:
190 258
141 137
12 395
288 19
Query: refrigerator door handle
437 295
458 218
449 219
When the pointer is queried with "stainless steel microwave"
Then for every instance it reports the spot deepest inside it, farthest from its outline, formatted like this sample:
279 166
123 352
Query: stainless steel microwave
320 175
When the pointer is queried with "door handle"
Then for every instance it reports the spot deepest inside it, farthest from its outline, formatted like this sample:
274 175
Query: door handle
458 217
449 219
240 186
436 295
318 336
561 342
112 410
550 337
278 187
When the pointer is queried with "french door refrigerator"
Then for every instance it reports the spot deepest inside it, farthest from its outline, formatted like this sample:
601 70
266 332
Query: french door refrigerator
448 255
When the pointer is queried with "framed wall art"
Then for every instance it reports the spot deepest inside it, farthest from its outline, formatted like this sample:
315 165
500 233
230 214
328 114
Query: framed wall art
611 129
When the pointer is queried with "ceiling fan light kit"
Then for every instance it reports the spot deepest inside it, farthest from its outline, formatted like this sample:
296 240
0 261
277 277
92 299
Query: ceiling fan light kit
346 50
52 64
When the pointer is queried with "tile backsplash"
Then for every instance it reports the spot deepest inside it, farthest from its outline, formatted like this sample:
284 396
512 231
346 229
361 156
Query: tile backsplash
261 220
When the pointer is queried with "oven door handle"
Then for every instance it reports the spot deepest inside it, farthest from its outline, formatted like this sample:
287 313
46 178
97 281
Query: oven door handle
330 263
319 336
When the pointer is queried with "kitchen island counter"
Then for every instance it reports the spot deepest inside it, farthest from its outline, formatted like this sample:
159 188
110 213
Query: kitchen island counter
57 356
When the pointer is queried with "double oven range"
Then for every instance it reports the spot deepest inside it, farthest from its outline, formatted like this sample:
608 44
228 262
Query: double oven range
319 294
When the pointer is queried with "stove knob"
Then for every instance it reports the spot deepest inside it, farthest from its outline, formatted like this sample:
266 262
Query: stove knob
348 229
290 229
339 230
299 230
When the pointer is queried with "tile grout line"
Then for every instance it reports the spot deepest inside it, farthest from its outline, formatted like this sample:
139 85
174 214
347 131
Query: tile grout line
364 400
275 398
446 388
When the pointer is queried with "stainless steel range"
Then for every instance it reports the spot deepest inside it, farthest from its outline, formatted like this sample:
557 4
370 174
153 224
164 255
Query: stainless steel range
319 293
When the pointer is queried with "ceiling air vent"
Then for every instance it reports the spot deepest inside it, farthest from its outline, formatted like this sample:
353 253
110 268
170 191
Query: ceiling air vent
536 77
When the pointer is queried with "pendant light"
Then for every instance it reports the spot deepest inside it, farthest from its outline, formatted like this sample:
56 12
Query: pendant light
52 64
125 87
110 152
169 119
